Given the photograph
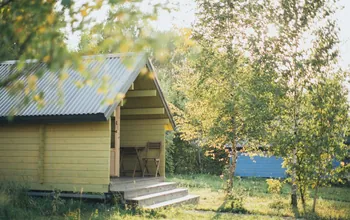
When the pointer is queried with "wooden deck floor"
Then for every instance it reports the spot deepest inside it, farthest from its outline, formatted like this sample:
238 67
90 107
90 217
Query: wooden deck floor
119 184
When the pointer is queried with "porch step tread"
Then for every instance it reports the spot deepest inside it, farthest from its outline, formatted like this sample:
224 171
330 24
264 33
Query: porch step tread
188 198
151 186
138 179
164 193
149 189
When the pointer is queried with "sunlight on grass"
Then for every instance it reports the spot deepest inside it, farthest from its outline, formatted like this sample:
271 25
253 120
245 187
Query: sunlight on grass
334 201
257 203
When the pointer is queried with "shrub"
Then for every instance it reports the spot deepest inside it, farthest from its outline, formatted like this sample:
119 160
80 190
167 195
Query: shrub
234 202
278 205
183 157
274 186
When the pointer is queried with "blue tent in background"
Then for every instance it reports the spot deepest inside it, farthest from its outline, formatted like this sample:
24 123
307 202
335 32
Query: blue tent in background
260 166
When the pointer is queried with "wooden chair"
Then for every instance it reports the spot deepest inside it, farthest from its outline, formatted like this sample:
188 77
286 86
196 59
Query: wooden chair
130 152
155 148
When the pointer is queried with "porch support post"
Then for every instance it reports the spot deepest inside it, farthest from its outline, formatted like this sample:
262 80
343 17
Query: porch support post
162 157
117 141
41 161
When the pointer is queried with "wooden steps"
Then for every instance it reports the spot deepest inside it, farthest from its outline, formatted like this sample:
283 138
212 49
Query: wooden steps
189 199
145 190
152 193
125 184
154 198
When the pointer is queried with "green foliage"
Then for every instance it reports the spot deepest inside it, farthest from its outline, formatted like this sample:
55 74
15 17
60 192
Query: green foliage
184 157
169 148
266 74
278 205
284 57
214 160
274 186
234 202
57 202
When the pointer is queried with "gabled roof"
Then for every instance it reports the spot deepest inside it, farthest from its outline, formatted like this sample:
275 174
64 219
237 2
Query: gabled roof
81 104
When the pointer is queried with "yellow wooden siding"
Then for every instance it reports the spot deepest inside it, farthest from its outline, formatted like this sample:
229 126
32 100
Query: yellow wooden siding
76 156
138 133
143 85
19 153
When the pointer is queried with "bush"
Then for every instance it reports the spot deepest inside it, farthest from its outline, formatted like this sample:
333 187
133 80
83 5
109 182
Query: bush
274 186
183 157
278 205
234 202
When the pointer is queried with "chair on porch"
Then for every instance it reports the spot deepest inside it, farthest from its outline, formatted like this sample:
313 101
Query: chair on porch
152 154
130 152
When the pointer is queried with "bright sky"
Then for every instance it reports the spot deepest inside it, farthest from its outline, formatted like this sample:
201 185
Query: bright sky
185 16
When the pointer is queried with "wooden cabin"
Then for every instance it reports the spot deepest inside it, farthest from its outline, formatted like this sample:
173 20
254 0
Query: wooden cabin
75 141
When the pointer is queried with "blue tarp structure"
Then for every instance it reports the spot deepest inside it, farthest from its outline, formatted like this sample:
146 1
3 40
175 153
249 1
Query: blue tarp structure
260 166
263 166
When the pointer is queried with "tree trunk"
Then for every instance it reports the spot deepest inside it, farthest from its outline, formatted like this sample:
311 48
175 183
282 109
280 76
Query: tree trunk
302 191
230 183
315 199
294 198
233 154
232 167
200 161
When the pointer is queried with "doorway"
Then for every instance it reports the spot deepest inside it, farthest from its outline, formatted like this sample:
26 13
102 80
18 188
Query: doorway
115 144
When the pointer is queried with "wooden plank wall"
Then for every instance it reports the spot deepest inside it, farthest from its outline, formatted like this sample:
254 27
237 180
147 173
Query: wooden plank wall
138 133
19 153
76 156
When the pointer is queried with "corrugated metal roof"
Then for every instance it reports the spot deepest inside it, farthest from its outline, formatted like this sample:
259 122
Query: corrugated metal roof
76 101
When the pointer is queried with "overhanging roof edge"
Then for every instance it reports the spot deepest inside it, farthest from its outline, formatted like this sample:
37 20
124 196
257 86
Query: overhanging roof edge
109 111
161 95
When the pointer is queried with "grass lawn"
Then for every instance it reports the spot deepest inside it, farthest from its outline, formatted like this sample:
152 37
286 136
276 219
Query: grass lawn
334 203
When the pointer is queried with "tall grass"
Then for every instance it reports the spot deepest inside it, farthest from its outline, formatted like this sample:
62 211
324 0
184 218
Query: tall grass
16 204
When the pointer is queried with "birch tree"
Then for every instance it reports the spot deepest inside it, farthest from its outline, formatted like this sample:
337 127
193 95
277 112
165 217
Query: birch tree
270 53
278 37
328 121
215 83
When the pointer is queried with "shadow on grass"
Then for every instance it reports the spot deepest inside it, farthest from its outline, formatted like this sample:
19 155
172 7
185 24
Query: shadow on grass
228 206
314 216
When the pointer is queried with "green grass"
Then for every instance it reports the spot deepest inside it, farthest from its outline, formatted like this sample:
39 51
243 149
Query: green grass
334 193
252 186
197 181
334 203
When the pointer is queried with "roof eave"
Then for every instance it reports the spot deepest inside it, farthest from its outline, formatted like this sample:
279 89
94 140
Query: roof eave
161 95
52 119
109 111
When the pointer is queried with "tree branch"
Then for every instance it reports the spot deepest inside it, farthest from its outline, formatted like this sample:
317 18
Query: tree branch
5 3
16 75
